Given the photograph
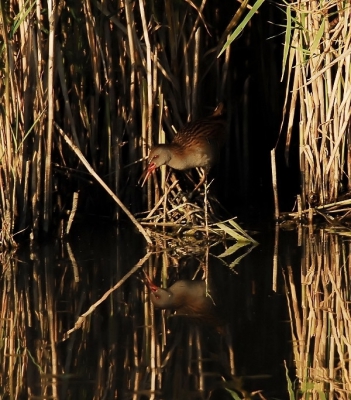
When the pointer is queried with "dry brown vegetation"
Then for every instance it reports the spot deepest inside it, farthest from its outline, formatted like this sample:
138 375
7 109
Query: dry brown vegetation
115 78
110 75
316 62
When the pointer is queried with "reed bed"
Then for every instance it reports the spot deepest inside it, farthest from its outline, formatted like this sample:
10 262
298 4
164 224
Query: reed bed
316 63
320 317
115 79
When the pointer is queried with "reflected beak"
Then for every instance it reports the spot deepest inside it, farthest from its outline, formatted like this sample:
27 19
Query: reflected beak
146 174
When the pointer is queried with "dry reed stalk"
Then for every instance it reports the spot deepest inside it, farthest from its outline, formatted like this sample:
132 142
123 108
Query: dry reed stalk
47 204
102 183
187 81
149 70
195 93
73 212
316 62
96 63
73 261
224 80
135 61
110 113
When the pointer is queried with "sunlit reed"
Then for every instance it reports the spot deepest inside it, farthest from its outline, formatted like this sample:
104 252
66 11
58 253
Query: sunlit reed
316 63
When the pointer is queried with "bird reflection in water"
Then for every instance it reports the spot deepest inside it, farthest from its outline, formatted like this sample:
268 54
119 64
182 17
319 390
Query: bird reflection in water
191 298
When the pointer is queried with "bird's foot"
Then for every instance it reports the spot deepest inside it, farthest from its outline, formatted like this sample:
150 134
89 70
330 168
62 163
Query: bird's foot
192 195
181 195
196 194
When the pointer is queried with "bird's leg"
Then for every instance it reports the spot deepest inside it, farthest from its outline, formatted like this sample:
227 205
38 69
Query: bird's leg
207 238
202 180
206 208
179 193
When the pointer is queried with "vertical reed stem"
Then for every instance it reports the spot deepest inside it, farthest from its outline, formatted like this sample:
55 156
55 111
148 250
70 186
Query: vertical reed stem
50 97
274 185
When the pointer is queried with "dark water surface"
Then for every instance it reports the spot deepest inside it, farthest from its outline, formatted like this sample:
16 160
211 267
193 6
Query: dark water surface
127 349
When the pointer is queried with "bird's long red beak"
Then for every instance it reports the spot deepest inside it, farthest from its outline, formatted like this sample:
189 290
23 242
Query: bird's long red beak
146 174
149 283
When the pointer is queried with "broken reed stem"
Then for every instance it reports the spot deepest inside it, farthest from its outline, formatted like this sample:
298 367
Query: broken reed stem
335 207
299 206
73 261
92 308
73 212
103 184
165 201
162 199
195 76
275 185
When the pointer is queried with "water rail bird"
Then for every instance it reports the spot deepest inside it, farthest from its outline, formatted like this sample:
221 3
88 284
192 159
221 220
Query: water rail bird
197 144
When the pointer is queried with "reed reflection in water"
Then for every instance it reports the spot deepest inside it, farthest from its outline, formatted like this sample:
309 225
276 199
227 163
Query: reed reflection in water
127 348
319 308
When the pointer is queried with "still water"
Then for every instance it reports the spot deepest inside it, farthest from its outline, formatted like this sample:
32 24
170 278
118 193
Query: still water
275 324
